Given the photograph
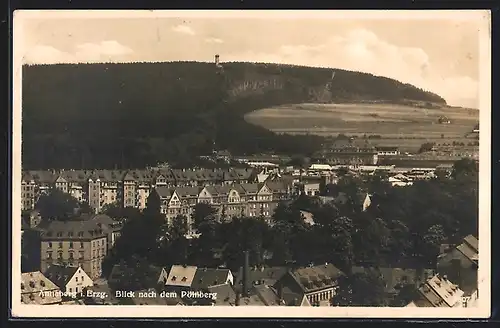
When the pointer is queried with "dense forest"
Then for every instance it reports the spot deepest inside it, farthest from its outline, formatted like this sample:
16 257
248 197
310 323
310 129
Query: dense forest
133 115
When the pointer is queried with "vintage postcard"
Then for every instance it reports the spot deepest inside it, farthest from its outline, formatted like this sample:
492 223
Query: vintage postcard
251 164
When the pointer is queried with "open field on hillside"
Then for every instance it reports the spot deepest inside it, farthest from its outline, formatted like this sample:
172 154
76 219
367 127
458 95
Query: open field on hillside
406 127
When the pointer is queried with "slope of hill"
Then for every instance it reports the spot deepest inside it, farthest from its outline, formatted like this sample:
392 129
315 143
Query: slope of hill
104 115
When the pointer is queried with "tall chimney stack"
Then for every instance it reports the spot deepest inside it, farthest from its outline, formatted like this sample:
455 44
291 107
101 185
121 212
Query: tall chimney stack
246 273
217 60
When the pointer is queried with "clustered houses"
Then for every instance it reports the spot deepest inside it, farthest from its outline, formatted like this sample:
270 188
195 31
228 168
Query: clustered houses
126 188
243 199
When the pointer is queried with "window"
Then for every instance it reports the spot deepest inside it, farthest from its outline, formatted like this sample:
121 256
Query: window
70 289
70 244
81 244
76 289
81 255
76 279
60 255
49 255
59 234
60 244
49 244
83 278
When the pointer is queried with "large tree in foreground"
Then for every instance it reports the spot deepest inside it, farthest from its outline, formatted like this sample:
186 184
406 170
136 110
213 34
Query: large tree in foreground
58 205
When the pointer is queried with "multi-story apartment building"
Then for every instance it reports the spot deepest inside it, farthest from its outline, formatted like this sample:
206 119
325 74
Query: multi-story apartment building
82 243
246 199
33 184
125 188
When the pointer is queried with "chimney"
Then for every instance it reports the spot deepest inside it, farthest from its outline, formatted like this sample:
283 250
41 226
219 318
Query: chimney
238 298
246 277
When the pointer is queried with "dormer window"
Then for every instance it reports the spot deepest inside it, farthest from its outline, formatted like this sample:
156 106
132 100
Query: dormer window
80 233
59 234
184 279
174 278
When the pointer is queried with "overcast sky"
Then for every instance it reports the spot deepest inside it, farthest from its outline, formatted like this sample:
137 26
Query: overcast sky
440 55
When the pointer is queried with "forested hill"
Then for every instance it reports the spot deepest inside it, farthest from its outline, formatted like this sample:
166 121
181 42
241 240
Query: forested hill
102 115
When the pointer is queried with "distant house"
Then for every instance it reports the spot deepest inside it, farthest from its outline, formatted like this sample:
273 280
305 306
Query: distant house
38 289
314 285
71 280
388 151
400 181
444 120
460 264
438 291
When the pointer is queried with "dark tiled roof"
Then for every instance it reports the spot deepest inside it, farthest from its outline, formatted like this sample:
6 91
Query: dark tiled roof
60 275
472 242
207 277
68 230
225 294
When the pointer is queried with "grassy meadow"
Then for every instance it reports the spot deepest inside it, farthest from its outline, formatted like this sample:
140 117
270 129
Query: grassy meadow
397 125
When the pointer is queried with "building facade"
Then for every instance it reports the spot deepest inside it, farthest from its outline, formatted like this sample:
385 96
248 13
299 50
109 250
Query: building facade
247 199
74 243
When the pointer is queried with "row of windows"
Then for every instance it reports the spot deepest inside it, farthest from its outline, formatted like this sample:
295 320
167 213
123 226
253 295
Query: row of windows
81 255
71 244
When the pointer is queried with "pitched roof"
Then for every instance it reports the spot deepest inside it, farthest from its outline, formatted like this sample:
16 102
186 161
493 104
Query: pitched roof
251 188
428 297
32 284
72 229
135 273
42 176
60 275
267 295
472 242
164 192
181 275
316 277
225 294
207 277
188 191
446 290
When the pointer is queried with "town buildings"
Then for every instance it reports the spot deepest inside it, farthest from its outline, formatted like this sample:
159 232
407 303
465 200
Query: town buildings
130 188
244 199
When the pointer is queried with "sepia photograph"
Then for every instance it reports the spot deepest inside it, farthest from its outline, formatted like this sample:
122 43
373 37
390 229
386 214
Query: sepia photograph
251 164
